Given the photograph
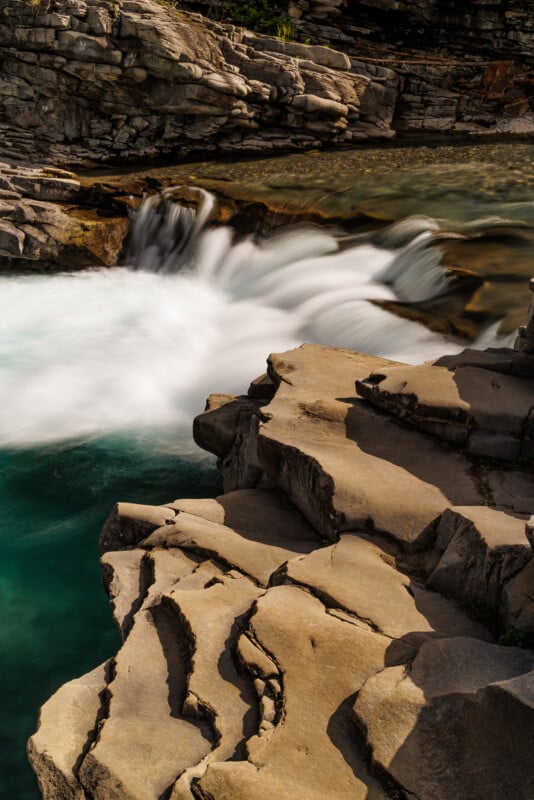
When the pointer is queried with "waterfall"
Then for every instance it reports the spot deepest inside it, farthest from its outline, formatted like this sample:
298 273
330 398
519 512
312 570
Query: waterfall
194 310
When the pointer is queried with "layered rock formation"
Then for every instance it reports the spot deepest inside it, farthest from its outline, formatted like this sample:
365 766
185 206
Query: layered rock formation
332 626
47 223
85 81
92 81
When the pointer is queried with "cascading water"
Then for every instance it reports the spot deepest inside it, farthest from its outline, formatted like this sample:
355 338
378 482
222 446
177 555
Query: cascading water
195 311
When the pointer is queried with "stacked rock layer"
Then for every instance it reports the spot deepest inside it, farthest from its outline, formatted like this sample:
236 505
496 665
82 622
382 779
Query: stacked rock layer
86 82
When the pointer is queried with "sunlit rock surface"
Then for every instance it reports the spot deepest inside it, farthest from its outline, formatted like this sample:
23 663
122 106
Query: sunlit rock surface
89 82
43 225
332 626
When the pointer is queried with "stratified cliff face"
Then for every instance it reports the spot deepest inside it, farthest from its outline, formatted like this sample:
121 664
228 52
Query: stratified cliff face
305 635
497 29
136 79
84 81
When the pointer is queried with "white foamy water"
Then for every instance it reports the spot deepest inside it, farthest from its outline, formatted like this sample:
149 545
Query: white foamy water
141 346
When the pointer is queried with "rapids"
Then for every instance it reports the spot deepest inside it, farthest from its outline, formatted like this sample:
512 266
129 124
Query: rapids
192 310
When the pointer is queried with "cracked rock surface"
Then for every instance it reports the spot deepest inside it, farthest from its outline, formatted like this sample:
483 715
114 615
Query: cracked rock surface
331 627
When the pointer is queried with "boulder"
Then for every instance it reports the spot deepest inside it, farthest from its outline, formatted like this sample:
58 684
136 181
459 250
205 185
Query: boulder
442 727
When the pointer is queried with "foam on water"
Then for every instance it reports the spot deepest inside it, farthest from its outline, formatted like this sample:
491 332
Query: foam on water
141 346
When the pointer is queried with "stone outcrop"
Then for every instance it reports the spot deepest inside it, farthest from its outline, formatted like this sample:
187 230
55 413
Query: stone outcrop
136 79
482 402
332 626
45 224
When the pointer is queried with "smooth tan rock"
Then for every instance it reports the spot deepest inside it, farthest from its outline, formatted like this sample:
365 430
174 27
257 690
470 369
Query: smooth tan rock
308 754
67 725
145 741
477 408
444 728
355 575
334 455
215 687
257 559
126 582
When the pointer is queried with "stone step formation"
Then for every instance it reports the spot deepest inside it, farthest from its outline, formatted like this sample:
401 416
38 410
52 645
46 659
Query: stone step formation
351 619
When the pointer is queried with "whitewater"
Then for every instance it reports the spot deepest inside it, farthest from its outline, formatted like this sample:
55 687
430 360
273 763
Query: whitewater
192 310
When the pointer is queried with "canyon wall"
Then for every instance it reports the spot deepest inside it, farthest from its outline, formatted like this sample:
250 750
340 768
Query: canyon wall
86 82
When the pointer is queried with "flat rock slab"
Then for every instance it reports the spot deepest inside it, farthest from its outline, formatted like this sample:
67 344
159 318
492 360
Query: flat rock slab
336 457
357 576
484 411
285 533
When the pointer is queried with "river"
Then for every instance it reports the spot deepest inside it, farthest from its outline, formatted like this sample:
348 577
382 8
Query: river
102 371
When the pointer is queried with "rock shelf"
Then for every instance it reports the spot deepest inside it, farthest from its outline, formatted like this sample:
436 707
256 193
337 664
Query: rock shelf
47 225
334 625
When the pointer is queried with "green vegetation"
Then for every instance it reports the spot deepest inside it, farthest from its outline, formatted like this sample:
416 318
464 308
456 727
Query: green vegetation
517 637
266 16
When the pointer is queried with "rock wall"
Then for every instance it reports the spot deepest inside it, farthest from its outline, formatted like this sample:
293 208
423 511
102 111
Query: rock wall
92 81
85 82
497 29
